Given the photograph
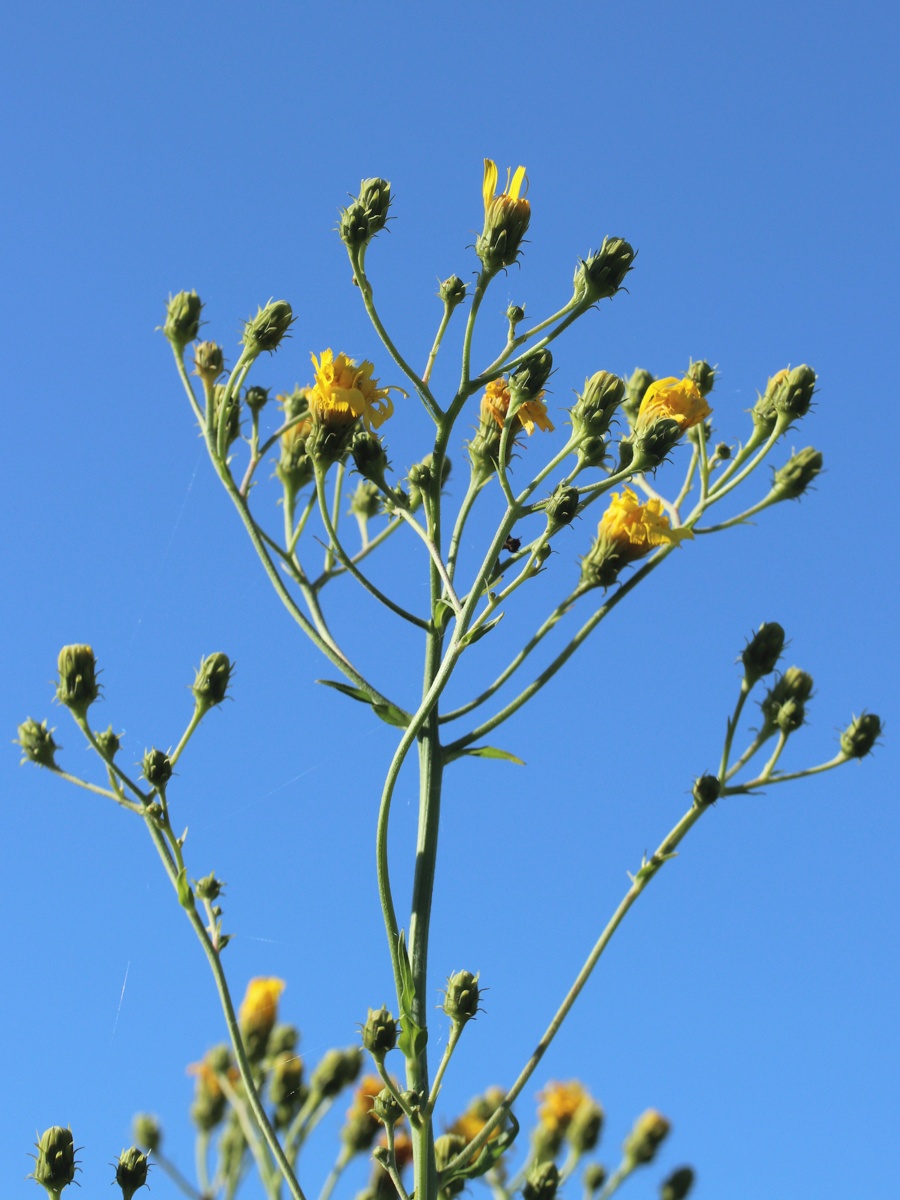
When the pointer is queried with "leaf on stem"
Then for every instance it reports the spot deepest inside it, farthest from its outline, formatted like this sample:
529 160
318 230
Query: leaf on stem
389 713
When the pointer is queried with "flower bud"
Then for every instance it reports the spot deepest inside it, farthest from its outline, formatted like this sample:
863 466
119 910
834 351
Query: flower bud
784 707
792 396
210 1101
526 382
211 681
452 291
506 218
37 744
232 417
592 451
156 768
635 390
256 398
594 409
792 480
353 225
268 327
209 887
586 1125
54 1163
722 452
258 1014
462 997
379 1034
386 1107
647 1135
147 1131
421 480
295 467
678 1185
109 744
542 1182
335 1071
183 319
860 736
652 446
365 502
703 375
77 688
286 1088
131 1171
761 654
561 507
706 790
600 275
594 1177
375 198
446 1148
369 457
515 314
209 363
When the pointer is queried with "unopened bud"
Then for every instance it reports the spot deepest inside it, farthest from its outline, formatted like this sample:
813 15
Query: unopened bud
335 1071
147 1131
54 1163
527 381
446 1148
375 198
860 736
600 275
703 375
792 480
209 887
365 502
452 291
706 790
131 1171
515 314
561 508
183 319
542 1182
210 685
583 1132
462 997
594 1177
156 768
761 654
353 225
369 457
109 744
386 1107
37 744
379 1034
233 415
594 409
256 398
268 327
209 362
77 688
678 1185
784 707
635 390
794 392
648 1134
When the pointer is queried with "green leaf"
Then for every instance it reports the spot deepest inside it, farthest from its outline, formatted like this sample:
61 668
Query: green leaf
443 611
413 1037
493 752
389 713
347 689
471 638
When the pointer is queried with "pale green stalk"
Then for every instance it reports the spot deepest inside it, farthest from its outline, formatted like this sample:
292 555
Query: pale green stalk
340 1165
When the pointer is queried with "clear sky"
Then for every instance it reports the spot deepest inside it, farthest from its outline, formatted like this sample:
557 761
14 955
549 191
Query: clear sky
749 153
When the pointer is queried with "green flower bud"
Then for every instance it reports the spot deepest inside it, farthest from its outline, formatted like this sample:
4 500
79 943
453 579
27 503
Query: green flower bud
37 744
592 451
652 445
678 1185
784 707
365 502
375 198
860 736
369 457
54 1163
386 1107
379 1034
542 1182
131 1171
147 1131
596 405
156 768
462 997
792 396
635 390
594 1177
209 887
452 291
722 452
210 1103
527 381
446 1148
600 275
283 1037
286 1088
209 363
761 654
792 480
353 225
561 507
77 688
256 398
268 327
703 375
335 1071
109 744
583 1132
421 480
515 314
649 1132
233 417
706 790
183 319
211 681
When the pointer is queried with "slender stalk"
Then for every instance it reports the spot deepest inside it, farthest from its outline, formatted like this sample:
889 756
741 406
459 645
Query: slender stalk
340 1165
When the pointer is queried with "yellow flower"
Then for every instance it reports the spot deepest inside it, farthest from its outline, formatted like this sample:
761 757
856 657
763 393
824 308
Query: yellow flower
673 399
560 1102
635 529
344 391
259 1009
506 218
495 405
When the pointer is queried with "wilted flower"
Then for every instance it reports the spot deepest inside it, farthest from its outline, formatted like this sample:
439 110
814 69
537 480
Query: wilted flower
628 530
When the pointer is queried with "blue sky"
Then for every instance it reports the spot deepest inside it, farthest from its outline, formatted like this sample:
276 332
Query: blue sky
749 154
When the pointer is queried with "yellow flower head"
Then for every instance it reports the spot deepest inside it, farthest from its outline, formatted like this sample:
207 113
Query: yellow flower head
259 1008
495 405
344 391
675 400
635 529
559 1103
506 218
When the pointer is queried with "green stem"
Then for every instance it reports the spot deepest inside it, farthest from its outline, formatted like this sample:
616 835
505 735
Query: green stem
340 1165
